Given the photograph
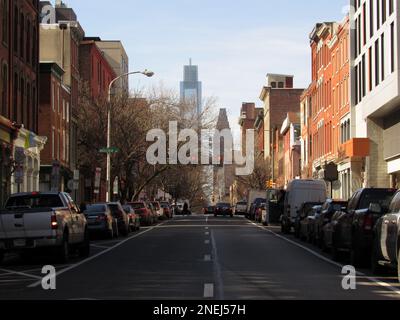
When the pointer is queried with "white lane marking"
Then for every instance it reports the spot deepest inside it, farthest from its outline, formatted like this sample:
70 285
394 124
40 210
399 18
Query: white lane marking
207 257
207 242
207 233
207 219
217 269
74 266
209 290
207 228
21 274
359 274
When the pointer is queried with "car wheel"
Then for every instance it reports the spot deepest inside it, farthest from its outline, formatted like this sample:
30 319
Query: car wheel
84 248
110 233
335 253
376 268
398 267
355 256
62 253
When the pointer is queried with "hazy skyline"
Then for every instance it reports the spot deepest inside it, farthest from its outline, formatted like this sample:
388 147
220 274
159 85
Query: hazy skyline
235 44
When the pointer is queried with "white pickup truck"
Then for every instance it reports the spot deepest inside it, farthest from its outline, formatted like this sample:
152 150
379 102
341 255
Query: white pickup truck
43 221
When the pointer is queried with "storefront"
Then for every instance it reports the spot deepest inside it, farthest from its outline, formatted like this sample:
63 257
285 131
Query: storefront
7 133
27 148
394 171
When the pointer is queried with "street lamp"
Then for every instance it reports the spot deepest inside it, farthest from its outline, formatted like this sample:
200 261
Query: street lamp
147 73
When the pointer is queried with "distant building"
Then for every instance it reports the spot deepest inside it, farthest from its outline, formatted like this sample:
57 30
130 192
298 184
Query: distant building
117 58
95 70
191 87
279 98
224 174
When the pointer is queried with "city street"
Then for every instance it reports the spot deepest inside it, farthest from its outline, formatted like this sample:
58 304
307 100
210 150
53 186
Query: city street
197 257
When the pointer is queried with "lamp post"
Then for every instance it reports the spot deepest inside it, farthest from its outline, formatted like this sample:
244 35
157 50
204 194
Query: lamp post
147 73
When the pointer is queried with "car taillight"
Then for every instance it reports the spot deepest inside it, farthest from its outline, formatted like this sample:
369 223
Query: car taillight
54 223
368 222
102 218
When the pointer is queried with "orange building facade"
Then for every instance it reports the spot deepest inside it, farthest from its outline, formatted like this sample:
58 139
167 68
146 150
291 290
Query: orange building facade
326 113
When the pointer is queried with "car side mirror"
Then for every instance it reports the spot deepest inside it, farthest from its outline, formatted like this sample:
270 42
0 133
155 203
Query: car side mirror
375 208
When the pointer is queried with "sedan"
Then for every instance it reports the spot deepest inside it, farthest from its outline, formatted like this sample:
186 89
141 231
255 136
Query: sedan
223 209
122 218
307 224
144 211
167 209
134 218
303 213
101 221
209 210
329 208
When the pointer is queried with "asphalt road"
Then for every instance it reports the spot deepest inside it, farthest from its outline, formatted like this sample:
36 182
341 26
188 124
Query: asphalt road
197 257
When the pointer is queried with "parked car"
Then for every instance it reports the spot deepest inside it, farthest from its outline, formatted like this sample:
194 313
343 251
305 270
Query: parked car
133 218
209 210
254 209
144 211
101 221
223 209
386 243
329 208
167 211
240 208
253 196
299 192
122 218
259 212
353 229
302 222
307 225
159 210
274 206
48 221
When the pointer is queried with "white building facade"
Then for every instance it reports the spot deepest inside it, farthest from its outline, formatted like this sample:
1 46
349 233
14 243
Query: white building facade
376 88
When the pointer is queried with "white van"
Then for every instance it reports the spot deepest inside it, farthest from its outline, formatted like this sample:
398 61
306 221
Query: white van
297 193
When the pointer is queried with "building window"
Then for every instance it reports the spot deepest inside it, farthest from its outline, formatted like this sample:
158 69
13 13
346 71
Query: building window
392 48
22 102
280 85
371 18
16 30
383 57
273 84
377 63
5 21
4 91
22 36
52 143
53 94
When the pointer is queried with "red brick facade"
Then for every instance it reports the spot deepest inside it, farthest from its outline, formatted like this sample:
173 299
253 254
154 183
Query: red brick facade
94 69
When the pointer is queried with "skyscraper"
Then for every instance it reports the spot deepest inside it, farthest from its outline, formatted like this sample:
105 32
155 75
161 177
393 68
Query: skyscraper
191 87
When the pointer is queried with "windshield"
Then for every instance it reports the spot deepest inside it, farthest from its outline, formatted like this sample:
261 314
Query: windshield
137 205
35 201
223 205
381 197
96 208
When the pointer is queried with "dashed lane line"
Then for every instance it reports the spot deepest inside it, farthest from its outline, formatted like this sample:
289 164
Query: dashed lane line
208 290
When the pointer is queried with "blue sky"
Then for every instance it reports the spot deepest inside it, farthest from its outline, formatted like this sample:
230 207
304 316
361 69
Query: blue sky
235 43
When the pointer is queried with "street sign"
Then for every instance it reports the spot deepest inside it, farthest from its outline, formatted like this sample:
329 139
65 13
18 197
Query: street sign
109 150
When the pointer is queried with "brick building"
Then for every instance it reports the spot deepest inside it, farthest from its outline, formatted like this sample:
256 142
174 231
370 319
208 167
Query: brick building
325 111
279 98
290 132
54 112
95 70
60 36
19 96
